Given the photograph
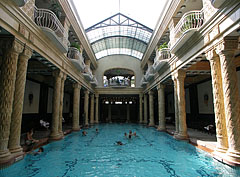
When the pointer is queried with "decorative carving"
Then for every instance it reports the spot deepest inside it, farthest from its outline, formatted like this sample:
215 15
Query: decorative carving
21 29
15 130
7 87
221 132
208 9
28 8
31 37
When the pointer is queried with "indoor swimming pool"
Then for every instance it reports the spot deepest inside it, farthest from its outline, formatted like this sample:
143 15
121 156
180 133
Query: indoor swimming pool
150 153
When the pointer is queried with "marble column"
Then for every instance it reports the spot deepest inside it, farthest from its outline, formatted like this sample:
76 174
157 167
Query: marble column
76 106
226 51
61 105
180 76
151 109
56 105
175 105
161 107
86 101
140 109
145 109
92 110
128 113
16 120
218 100
96 108
7 87
109 112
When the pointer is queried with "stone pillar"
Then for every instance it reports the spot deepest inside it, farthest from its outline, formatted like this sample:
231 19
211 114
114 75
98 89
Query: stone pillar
145 109
86 99
151 109
218 99
128 113
61 105
7 87
96 108
56 104
225 50
16 120
175 106
92 110
109 112
140 109
76 105
161 107
180 76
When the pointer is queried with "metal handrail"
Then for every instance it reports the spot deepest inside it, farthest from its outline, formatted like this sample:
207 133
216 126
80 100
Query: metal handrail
190 20
46 18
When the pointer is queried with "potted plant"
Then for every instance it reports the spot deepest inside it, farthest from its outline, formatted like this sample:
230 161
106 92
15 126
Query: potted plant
75 45
163 46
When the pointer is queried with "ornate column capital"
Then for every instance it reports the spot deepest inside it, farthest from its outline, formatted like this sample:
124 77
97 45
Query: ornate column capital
211 54
86 92
150 92
92 95
27 52
140 95
160 86
57 73
64 76
97 95
180 74
77 85
227 44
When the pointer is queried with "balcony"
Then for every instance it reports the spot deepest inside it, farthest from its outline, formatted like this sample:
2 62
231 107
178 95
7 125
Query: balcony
188 24
119 83
161 58
94 81
149 73
76 58
88 73
143 82
20 3
52 27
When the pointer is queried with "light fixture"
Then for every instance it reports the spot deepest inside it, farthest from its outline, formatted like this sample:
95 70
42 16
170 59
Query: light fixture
179 13
183 7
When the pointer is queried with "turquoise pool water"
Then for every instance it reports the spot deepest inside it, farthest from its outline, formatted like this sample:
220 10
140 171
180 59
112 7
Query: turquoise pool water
151 153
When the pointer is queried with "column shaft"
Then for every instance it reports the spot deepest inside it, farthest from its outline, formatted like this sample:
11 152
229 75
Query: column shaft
181 105
7 87
151 108
218 99
140 109
61 105
176 107
86 100
161 108
231 97
16 121
96 108
56 104
76 105
145 109
92 110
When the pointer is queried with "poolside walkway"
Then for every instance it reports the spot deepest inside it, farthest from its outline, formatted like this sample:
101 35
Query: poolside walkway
198 138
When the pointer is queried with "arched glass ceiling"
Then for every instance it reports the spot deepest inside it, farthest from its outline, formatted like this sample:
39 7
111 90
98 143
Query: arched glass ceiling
119 34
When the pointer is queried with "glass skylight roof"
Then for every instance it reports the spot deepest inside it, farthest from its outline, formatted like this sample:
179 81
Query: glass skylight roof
119 34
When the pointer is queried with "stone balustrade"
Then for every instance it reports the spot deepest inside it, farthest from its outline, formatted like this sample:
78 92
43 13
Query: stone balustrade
161 58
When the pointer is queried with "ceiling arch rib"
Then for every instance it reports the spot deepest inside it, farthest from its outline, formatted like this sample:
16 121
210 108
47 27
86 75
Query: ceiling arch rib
119 34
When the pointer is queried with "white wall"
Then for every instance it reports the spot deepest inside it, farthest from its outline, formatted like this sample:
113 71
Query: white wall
119 61
34 89
205 107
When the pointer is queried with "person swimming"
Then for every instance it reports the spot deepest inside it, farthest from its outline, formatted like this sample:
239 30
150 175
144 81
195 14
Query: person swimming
119 143
84 133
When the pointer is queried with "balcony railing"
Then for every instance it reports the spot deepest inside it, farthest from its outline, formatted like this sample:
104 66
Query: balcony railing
51 26
149 73
76 58
189 21
163 56
20 3
94 81
125 82
88 73
143 82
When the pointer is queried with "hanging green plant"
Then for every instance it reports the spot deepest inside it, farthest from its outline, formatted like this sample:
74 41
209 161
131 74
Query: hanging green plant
163 46
76 45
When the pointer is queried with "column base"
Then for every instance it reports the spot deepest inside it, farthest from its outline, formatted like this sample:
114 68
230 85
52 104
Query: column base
181 137
161 129
233 156
16 151
75 129
96 122
5 156
55 137
151 124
